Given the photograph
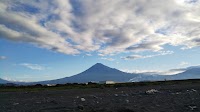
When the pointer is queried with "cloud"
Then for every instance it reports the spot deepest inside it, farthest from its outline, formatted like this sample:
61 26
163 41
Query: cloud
26 78
3 57
134 57
138 71
33 66
108 59
9 79
88 54
103 26
184 63
171 72
155 72
14 79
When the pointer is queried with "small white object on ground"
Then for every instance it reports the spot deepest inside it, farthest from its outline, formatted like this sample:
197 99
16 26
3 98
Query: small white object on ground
193 107
152 91
82 99
193 90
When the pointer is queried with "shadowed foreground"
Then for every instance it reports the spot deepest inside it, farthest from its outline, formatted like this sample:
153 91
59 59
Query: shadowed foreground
180 96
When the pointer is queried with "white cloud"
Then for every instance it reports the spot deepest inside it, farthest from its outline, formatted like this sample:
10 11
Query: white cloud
33 66
14 79
172 72
108 59
9 79
27 78
3 57
134 57
88 54
184 63
104 26
155 72
138 71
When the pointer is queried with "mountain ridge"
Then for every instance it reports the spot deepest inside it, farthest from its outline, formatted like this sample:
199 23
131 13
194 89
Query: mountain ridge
2 81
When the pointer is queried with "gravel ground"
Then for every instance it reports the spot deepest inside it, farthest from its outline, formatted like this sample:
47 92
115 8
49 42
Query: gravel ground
154 98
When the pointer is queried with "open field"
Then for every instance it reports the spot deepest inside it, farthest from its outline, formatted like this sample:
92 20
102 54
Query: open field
169 96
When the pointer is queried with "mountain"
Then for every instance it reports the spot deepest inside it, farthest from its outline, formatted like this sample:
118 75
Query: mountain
188 73
96 73
3 81
100 72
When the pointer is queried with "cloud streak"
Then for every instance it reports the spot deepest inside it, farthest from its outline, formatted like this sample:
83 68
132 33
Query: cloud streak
104 26
3 57
183 63
156 72
134 57
108 59
33 66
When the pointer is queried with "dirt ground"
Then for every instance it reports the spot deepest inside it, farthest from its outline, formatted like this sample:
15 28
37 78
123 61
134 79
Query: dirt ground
154 98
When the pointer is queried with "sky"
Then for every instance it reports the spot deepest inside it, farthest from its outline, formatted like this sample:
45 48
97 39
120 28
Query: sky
51 39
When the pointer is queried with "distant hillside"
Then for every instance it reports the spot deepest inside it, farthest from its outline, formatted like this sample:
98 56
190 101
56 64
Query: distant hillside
3 81
189 73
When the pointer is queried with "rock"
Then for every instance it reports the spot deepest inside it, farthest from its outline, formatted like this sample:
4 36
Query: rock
82 99
193 107
151 91
193 90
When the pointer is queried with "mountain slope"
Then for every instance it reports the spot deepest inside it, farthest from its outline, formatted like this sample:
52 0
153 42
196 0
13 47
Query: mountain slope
3 81
100 72
190 73
97 72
